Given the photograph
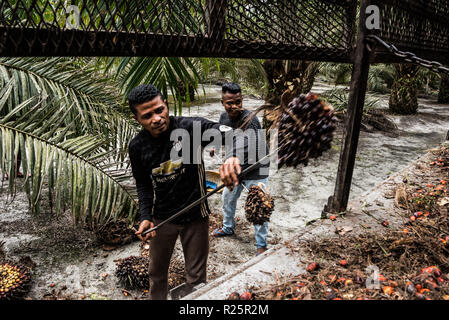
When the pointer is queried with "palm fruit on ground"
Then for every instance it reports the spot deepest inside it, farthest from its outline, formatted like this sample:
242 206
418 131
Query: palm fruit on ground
176 273
116 233
258 206
14 281
305 127
133 272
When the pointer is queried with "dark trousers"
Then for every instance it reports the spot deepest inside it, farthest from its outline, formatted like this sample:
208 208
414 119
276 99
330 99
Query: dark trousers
195 245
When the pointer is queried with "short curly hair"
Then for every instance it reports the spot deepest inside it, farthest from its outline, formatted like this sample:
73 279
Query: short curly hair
141 94
230 87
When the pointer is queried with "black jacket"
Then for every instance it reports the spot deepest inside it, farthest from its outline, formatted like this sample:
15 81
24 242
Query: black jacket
257 141
167 180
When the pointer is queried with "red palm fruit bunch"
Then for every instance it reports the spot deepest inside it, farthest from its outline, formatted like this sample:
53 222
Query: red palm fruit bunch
305 127
14 281
133 272
258 206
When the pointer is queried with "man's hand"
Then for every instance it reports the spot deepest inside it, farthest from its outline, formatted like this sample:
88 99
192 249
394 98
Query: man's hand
145 225
228 172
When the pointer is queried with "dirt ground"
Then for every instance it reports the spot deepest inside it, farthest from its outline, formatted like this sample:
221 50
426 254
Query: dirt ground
403 254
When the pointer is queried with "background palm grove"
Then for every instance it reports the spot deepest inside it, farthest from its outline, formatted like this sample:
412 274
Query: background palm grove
65 123
68 203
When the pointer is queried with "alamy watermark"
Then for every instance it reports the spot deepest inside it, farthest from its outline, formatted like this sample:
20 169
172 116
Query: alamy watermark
70 14
73 18
372 21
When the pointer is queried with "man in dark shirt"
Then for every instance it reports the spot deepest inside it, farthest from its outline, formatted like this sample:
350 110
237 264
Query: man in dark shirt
236 117
168 182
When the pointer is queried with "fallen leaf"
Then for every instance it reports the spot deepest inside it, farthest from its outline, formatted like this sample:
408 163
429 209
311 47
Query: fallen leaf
343 230
443 201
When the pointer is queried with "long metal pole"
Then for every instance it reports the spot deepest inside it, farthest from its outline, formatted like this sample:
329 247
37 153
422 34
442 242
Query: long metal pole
195 203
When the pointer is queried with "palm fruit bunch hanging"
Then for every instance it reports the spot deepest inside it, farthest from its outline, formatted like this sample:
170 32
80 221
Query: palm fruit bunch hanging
14 281
258 206
133 272
305 127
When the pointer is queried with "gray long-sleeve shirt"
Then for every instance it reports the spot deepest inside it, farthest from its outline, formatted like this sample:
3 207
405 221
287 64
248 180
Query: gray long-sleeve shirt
257 145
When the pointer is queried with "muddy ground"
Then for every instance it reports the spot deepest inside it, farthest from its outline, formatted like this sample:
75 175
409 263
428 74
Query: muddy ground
70 263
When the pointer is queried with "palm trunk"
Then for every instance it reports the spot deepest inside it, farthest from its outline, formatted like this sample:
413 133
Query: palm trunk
295 75
443 94
404 91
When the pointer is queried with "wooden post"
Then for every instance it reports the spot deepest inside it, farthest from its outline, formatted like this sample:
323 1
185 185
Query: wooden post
339 200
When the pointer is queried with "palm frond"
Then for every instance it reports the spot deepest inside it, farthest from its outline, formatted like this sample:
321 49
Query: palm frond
60 78
163 72
69 134
87 101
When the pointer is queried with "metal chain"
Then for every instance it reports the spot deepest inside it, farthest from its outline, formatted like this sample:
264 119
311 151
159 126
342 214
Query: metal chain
410 56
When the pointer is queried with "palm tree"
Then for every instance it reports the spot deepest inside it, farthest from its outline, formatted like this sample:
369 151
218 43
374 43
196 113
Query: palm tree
166 73
62 123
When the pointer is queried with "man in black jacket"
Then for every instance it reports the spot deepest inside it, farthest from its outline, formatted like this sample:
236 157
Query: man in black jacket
167 182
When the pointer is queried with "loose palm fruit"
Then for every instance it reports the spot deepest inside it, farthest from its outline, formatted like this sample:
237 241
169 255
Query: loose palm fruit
245 296
312 267
14 281
258 206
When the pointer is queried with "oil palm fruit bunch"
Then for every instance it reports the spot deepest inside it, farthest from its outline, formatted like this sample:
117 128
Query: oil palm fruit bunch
305 127
145 249
14 281
258 206
176 273
133 272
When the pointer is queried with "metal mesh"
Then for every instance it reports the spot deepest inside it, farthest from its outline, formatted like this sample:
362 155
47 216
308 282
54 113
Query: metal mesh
419 26
314 29
319 30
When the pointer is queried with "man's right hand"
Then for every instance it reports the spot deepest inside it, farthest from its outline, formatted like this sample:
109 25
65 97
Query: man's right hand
229 171
145 225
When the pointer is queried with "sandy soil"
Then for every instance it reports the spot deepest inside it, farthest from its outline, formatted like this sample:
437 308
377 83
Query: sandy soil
69 263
